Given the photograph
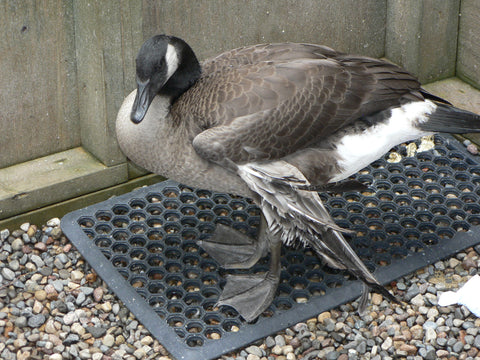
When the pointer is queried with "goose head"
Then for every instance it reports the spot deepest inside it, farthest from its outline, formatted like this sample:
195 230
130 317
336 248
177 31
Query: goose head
165 65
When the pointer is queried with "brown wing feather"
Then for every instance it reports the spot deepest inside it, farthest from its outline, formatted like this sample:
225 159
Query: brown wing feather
266 52
271 109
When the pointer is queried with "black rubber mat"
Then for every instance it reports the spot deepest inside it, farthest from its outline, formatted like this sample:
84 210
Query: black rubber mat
143 244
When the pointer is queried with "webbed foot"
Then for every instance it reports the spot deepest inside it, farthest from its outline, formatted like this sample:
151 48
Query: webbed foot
235 250
251 294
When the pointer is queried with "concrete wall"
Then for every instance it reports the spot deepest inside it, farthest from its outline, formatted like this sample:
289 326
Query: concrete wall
468 62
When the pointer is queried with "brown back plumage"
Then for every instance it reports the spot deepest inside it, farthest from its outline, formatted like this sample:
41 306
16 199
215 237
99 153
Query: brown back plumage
269 101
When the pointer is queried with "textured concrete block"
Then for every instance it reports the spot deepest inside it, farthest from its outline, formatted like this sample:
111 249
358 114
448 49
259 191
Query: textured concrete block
468 61
422 37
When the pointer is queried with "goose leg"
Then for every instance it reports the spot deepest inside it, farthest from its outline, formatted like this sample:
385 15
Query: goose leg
235 250
250 295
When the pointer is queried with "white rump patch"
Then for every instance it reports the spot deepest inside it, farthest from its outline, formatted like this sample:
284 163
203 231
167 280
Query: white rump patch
171 59
359 150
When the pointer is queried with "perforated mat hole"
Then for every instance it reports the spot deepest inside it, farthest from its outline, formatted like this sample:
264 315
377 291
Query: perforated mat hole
156 288
415 246
138 282
469 198
374 224
188 198
396 241
175 307
231 326
282 303
154 235
103 215
298 283
445 233
296 270
192 273
385 196
172 228
205 204
435 199
187 210
212 334
209 305
411 234
192 286
120 248
472 208
210 292
429 239
382 260
300 296
189 234
284 290
208 265
137 241
103 229
194 328
239 216
205 216
157 301
253 211
424 216
372 213
119 261
156 222
377 235
460 226
103 242
120 222
316 290
154 198
175 321
210 280
462 176
171 204
138 254
352 197
173 267
138 228
170 192
155 260
474 220
174 293
380 174
120 209
413 173
193 299
442 221
137 204
137 216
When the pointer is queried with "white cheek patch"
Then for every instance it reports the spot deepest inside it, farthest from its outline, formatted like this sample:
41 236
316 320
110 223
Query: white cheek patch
171 59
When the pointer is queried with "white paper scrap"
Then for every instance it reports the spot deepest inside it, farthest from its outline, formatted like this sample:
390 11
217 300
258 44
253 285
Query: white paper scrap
468 295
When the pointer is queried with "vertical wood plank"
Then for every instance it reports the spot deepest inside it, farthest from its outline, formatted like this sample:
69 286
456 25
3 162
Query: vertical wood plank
105 34
215 26
38 102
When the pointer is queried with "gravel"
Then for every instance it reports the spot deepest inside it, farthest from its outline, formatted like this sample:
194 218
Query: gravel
53 306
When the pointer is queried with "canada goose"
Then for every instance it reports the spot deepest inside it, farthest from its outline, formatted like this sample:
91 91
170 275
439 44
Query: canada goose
275 123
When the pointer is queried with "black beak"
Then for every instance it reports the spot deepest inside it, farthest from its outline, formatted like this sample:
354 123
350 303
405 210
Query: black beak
143 99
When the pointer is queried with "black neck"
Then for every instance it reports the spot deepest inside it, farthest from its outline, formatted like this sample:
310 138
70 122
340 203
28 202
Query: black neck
187 74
